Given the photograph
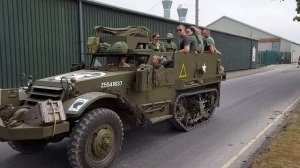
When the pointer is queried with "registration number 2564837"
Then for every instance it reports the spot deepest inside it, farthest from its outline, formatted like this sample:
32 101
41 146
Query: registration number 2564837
111 84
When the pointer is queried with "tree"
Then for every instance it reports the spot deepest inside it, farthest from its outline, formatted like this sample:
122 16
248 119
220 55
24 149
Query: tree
297 17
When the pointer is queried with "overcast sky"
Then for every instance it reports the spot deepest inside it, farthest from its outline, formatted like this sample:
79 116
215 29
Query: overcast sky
270 15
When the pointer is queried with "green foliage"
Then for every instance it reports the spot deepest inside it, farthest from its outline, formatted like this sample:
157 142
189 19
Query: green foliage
297 18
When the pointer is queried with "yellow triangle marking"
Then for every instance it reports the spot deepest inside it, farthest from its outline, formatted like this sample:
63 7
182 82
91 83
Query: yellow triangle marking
182 72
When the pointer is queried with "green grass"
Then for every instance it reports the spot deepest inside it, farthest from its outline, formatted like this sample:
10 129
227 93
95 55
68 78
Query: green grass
284 149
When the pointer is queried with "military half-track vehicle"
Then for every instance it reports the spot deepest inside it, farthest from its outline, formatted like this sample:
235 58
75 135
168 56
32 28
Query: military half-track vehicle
92 106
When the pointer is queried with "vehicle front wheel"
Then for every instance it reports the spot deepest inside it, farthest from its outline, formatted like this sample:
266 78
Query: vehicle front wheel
96 139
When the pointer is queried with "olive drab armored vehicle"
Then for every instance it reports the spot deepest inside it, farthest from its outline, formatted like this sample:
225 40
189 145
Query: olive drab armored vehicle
124 84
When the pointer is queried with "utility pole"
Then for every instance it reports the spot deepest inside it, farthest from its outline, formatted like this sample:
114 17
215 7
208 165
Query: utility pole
197 12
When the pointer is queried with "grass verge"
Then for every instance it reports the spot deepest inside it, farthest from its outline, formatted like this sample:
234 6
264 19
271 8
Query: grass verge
284 149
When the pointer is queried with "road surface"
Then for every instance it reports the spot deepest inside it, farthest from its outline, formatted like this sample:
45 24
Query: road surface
251 108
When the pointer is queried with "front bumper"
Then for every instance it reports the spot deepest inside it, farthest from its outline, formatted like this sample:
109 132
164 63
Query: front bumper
26 132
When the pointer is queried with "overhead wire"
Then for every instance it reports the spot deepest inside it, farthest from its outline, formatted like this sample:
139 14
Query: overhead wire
154 5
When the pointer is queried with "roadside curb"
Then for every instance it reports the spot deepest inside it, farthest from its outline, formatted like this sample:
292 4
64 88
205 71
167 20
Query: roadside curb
242 73
287 116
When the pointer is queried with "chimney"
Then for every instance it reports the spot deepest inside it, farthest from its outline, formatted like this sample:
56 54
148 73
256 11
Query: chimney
182 11
167 8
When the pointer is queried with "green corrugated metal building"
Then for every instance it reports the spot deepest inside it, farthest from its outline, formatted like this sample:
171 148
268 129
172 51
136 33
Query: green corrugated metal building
42 37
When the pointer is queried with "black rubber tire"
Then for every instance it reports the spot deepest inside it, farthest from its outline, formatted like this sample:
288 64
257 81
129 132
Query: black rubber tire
28 146
81 134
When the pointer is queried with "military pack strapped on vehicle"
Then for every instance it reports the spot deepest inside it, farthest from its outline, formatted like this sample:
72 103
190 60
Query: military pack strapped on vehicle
93 44
128 31
118 47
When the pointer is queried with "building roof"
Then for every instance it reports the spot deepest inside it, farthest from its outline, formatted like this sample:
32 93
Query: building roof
131 11
93 2
239 22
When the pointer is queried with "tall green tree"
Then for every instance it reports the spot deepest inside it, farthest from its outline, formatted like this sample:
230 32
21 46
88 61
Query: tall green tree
297 17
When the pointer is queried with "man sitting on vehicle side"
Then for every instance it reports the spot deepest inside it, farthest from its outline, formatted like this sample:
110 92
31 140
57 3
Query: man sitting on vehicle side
193 40
198 34
185 43
209 43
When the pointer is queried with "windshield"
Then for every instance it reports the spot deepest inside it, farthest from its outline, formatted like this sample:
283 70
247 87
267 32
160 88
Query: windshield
129 62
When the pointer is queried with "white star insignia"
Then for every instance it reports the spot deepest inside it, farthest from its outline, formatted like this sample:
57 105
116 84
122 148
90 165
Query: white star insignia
204 67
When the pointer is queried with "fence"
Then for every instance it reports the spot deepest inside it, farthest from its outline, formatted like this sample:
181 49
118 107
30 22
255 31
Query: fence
273 57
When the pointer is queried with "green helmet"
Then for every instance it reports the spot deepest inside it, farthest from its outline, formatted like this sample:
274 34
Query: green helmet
118 47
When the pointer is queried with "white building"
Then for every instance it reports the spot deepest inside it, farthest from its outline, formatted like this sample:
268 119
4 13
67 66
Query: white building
266 40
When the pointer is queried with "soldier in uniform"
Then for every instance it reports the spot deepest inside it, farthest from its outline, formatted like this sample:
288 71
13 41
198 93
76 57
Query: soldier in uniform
156 62
186 45
156 45
123 63
209 43
194 32
170 46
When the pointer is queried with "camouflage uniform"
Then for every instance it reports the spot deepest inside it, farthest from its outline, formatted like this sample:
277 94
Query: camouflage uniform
170 46
161 47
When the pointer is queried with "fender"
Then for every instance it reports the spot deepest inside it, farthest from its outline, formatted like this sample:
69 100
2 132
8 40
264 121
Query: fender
76 106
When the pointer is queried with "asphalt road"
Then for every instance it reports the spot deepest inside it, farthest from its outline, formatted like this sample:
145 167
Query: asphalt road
251 107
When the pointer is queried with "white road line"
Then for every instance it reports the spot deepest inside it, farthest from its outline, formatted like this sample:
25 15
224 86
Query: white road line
231 161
